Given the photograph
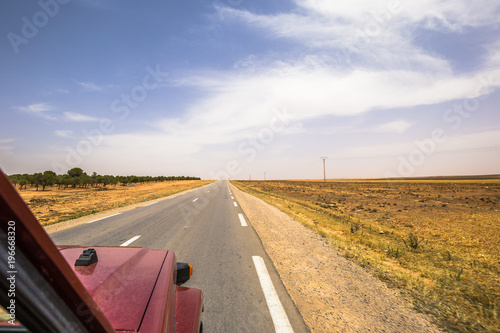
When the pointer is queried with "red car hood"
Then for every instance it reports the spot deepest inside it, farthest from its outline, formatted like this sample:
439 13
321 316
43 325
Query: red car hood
121 282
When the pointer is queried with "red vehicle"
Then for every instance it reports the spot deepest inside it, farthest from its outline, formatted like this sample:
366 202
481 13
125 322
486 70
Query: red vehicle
77 289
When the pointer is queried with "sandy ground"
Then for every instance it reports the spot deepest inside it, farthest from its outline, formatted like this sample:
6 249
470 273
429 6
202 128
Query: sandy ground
332 293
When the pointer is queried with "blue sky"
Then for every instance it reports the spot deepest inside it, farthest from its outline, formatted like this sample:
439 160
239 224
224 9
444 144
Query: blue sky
239 88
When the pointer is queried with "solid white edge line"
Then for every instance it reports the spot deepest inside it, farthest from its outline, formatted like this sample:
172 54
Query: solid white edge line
235 204
242 220
150 204
131 240
102 218
195 199
278 314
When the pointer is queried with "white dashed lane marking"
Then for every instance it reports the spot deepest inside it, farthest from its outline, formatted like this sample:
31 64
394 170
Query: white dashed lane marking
102 218
131 240
242 220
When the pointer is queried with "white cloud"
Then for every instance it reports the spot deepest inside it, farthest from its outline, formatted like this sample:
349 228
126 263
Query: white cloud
371 33
460 12
78 117
40 110
64 133
398 126
239 104
359 56
246 100
492 59
89 86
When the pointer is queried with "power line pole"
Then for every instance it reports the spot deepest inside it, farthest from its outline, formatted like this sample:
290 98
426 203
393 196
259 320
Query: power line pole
324 169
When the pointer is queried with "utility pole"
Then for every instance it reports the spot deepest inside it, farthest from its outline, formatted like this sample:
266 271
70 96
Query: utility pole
324 169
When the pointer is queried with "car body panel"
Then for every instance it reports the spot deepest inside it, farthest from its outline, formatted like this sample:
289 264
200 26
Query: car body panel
161 311
121 282
189 306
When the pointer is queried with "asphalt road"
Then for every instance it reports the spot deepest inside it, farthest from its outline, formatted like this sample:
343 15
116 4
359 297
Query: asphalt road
205 227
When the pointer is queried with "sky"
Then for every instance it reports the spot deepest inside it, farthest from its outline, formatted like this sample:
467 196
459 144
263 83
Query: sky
255 89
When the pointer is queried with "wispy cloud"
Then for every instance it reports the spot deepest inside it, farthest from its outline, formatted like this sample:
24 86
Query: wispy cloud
386 68
39 110
4 144
313 90
363 33
398 126
64 133
89 86
78 117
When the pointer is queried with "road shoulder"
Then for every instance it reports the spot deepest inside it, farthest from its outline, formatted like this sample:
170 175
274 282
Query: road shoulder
332 293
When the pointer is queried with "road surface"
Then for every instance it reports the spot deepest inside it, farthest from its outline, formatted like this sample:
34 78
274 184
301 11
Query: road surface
207 228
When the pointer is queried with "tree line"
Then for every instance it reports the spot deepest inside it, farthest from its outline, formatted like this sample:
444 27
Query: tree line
76 177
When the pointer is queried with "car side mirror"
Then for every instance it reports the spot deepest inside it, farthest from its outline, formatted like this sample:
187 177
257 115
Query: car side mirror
184 272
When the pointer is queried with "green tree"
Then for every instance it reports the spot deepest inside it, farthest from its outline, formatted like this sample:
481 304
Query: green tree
14 179
86 180
36 179
73 181
48 179
75 172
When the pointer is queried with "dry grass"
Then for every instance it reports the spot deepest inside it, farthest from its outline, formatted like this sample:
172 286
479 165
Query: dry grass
56 205
438 240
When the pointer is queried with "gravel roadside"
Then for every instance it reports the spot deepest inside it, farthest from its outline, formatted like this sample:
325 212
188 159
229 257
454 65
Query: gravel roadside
332 293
